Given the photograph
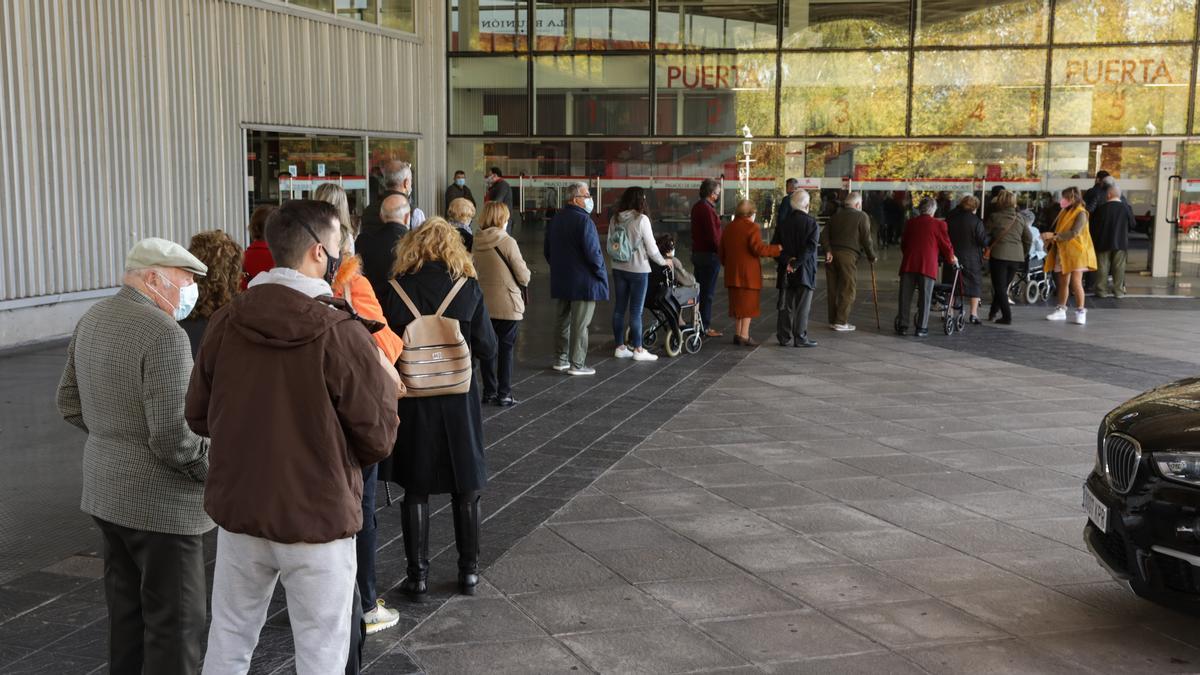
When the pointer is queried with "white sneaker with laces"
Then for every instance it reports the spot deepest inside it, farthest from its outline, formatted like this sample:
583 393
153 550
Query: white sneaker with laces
561 367
1059 314
623 352
1079 317
380 618
643 355
582 371
845 327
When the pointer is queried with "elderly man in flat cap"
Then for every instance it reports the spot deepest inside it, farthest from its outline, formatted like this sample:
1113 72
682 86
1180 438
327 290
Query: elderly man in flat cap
127 371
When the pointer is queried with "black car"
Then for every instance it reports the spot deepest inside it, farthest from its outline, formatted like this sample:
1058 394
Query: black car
1143 497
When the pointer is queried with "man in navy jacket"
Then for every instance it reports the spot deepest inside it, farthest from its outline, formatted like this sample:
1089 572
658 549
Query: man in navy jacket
578 277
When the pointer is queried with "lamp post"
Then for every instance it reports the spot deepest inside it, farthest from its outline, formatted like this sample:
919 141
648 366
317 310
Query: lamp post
745 161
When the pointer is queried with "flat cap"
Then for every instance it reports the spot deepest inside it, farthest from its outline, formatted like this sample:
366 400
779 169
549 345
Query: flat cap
155 252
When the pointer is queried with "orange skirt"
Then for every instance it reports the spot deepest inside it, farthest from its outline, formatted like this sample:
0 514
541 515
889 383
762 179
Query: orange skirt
743 303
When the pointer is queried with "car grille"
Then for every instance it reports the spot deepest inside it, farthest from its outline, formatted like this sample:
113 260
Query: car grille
1175 574
1122 456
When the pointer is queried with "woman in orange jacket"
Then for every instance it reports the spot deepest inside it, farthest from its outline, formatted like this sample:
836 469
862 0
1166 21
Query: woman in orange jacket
741 250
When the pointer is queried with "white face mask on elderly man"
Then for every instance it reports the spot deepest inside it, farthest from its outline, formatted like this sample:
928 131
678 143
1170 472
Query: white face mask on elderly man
188 296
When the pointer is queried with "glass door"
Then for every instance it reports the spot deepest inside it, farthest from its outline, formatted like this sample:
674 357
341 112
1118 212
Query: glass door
1184 267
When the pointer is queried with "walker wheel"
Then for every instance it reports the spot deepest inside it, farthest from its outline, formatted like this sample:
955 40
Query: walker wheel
674 343
961 322
950 325
693 343
1032 293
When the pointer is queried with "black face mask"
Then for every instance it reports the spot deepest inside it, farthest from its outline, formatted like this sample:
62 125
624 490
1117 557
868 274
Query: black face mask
331 267
331 263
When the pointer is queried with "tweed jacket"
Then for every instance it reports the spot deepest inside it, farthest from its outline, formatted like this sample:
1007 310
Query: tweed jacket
127 371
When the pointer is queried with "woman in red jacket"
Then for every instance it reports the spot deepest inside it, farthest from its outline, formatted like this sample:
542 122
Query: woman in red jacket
741 251
258 257
923 239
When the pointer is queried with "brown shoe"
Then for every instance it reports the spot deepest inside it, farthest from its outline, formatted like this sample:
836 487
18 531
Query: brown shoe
712 332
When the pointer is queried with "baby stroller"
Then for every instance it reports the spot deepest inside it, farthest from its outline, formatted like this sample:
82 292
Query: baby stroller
676 313
947 298
1033 285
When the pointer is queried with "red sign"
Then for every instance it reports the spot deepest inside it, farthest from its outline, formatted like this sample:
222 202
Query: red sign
1118 71
716 77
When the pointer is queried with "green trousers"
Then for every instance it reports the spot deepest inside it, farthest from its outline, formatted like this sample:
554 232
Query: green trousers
841 284
573 319
1110 262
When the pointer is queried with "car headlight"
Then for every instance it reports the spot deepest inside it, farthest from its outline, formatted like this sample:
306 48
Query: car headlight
1179 466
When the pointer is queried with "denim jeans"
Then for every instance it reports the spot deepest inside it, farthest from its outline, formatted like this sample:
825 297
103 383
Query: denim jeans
364 543
630 294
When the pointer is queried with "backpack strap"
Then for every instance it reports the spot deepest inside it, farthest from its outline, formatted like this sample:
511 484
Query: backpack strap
450 296
407 300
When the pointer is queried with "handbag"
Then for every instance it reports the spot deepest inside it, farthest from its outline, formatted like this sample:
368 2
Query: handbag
523 289
987 250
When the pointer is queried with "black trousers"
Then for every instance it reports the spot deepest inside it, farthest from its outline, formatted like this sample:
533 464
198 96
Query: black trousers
156 592
909 282
497 373
795 304
1002 272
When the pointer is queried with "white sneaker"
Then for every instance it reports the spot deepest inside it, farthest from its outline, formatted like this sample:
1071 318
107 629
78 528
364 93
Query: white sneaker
845 327
643 355
623 352
581 371
562 367
380 618
1079 317
1059 314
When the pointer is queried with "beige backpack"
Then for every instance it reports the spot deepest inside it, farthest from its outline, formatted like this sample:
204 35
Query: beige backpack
436 360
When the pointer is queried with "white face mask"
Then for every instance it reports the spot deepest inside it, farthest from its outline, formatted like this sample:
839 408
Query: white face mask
188 296
588 205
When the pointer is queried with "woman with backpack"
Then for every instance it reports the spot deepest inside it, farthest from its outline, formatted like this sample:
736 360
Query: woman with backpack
436 306
631 247
504 277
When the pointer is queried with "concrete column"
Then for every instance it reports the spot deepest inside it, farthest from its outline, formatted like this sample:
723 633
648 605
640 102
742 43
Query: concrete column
1160 246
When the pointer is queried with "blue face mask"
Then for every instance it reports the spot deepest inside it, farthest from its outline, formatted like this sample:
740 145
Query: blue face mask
460 181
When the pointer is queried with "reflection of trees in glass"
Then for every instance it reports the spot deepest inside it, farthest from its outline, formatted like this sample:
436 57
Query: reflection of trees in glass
844 94
1123 20
966 22
932 161
817 23
978 93
716 93
1120 90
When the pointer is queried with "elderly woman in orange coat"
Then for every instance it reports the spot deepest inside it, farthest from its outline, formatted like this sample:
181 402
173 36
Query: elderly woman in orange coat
741 251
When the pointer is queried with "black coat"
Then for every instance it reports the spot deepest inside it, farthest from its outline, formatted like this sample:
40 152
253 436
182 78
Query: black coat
798 234
1110 225
439 448
376 246
968 238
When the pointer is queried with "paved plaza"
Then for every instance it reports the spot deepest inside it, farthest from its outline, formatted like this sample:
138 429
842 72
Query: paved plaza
875 505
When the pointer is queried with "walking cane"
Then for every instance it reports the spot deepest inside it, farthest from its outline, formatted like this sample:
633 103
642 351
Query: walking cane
875 296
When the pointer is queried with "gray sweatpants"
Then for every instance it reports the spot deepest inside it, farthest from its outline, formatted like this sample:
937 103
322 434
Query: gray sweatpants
319 580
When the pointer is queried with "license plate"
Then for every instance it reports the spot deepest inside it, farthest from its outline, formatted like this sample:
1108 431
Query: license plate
1097 512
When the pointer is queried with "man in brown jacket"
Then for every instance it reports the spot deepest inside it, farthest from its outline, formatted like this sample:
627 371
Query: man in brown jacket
291 392
846 238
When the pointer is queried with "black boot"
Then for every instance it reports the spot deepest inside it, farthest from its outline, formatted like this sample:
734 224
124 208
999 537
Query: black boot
414 521
466 539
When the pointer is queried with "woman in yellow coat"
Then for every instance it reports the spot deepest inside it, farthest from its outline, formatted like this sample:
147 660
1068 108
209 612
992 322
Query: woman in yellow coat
1069 254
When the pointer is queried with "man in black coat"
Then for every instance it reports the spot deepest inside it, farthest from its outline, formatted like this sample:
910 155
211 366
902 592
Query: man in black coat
1094 196
458 190
797 273
499 190
1110 225
376 244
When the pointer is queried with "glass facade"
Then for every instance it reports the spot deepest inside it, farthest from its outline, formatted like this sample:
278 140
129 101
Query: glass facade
821 68
393 14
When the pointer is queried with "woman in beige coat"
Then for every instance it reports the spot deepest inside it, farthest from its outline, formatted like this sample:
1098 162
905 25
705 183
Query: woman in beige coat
503 276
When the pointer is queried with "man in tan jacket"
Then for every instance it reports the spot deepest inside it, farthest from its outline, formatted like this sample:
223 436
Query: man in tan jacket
845 239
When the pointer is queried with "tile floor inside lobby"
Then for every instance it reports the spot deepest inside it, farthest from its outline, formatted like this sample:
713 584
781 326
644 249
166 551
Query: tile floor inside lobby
875 505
